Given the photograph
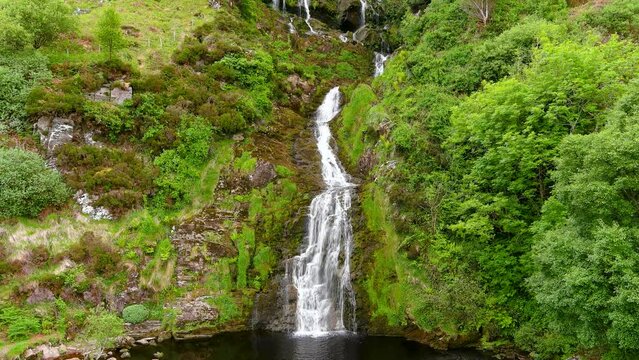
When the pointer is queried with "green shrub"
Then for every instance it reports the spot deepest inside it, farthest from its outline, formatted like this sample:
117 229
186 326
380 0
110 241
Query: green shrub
225 304
135 314
19 324
19 74
27 186
116 119
618 17
98 257
45 20
102 328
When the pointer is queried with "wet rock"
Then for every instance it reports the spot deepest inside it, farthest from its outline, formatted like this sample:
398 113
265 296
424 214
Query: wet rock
349 14
194 312
159 355
40 295
125 355
263 174
275 307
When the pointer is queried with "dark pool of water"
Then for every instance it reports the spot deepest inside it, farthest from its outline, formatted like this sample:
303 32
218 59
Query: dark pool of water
280 346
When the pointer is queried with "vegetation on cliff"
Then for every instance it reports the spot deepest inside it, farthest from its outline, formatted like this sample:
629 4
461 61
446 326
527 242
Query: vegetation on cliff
504 205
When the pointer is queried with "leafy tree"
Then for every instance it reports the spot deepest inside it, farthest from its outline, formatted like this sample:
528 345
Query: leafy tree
27 186
45 20
586 264
109 33
13 36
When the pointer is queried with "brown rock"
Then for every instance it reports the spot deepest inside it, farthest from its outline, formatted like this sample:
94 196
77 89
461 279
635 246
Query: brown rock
263 174
40 295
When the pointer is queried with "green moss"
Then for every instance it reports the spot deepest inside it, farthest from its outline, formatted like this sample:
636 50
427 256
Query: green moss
354 114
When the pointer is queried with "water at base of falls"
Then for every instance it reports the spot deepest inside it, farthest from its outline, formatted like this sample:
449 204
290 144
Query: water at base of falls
321 273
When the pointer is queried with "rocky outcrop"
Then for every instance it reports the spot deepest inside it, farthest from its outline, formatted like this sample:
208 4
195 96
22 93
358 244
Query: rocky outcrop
275 307
192 312
146 329
117 94
86 204
54 132
40 295
202 240
263 174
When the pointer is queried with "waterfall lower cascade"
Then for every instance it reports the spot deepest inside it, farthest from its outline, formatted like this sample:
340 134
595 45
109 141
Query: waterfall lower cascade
321 273
379 61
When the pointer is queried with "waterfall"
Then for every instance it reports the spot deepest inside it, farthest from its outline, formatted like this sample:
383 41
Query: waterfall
364 5
305 4
291 27
279 5
321 273
380 61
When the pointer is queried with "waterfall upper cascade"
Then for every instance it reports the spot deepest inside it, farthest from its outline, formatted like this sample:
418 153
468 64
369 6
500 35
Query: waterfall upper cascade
279 5
321 273
305 4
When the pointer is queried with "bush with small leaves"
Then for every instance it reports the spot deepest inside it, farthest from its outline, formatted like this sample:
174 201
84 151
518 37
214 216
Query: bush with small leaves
135 314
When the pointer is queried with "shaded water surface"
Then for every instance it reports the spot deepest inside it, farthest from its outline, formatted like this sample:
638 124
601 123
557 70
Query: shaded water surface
282 346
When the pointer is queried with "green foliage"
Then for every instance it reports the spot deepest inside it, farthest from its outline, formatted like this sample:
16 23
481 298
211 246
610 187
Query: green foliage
109 33
135 314
616 17
13 37
179 166
27 186
20 324
585 262
245 244
102 328
353 115
98 257
116 119
19 74
248 10
44 20
120 178
227 307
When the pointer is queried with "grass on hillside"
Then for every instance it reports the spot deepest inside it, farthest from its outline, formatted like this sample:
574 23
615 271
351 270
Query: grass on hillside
154 29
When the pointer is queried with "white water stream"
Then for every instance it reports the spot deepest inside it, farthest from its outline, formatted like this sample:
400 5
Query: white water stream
380 61
321 273
307 14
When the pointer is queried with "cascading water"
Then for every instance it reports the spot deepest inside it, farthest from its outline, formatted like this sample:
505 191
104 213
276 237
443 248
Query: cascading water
321 273
304 4
380 61
362 19
279 5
